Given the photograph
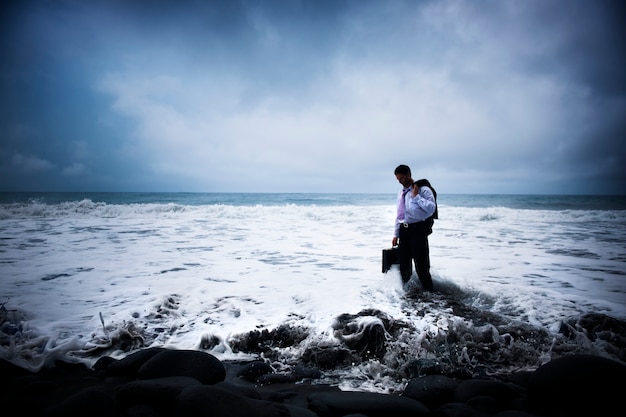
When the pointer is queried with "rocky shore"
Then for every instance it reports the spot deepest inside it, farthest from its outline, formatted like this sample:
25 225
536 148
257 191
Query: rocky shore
158 382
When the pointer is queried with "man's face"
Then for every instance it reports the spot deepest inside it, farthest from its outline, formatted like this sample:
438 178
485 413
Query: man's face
405 180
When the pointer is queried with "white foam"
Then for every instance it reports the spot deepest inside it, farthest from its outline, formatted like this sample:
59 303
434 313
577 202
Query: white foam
184 272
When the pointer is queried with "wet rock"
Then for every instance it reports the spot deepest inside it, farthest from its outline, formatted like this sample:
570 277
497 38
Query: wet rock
365 332
304 372
487 395
276 379
329 357
457 410
265 341
100 404
515 413
202 366
337 404
254 370
567 386
431 390
240 389
214 401
129 365
595 326
160 393
422 367
577 385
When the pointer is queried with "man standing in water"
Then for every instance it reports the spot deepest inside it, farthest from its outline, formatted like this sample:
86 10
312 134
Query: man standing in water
415 205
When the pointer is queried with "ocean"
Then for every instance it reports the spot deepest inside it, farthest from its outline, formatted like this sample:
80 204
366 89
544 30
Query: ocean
285 278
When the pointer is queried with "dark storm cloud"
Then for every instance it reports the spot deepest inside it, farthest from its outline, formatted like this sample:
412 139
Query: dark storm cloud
494 96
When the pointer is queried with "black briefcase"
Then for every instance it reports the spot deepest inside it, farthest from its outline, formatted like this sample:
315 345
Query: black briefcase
390 257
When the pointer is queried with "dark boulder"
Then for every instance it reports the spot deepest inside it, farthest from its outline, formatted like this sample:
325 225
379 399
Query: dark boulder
577 385
340 403
431 390
208 400
202 366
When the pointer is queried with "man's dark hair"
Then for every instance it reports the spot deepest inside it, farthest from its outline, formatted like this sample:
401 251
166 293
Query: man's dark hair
402 169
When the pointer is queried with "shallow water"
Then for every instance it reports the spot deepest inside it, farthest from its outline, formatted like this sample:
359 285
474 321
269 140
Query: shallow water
86 277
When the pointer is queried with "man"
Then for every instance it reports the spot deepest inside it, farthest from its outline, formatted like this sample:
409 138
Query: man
415 205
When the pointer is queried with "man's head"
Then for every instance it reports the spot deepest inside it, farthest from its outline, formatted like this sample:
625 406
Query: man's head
403 175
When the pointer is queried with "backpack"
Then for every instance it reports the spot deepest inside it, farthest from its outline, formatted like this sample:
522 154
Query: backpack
431 220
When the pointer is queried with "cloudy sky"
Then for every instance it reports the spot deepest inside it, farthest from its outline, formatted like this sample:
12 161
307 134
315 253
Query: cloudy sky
479 96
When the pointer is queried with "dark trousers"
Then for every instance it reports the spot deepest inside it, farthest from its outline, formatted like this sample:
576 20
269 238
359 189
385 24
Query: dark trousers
413 246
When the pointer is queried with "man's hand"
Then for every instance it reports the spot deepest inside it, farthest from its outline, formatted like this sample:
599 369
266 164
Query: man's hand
416 189
394 241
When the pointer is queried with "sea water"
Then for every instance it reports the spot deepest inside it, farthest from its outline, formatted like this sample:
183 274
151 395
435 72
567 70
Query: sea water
80 270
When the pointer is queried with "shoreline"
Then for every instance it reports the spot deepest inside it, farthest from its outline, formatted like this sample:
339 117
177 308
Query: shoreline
165 382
